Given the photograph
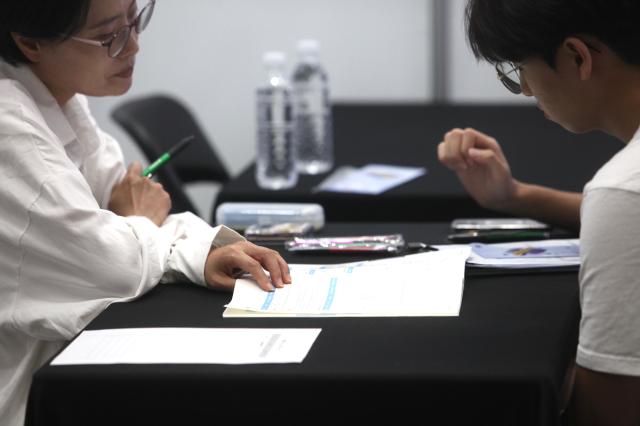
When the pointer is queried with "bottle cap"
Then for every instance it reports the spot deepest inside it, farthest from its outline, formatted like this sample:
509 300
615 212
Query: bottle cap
274 58
308 46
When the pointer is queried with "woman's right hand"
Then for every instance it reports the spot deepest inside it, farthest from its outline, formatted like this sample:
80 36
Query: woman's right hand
137 195
480 165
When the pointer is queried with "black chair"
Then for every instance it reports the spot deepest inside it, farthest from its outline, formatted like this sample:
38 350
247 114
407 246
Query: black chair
158 122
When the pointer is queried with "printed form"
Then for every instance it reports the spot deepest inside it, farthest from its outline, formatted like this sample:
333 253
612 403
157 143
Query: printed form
189 346
423 284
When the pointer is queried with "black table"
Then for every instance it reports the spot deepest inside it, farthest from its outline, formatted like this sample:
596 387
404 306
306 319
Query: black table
539 151
501 362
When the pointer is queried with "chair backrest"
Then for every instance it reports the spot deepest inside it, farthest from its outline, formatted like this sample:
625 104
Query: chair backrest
156 123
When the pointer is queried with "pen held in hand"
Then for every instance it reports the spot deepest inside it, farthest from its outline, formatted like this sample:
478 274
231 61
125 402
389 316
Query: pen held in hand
164 158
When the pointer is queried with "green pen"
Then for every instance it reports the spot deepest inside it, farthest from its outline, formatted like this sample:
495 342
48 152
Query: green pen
149 171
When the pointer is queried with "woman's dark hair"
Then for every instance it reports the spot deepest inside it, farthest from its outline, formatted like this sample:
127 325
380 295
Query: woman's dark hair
38 19
512 30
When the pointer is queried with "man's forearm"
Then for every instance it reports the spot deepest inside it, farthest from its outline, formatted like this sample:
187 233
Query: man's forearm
560 208
604 399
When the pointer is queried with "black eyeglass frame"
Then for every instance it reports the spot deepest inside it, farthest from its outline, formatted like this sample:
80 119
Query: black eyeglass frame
515 86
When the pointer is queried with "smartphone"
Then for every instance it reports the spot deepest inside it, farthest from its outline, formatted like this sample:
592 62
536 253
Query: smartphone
512 224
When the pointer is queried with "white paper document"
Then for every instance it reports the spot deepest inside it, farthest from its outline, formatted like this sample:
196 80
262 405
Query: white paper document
189 346
423 284
370 179
525 254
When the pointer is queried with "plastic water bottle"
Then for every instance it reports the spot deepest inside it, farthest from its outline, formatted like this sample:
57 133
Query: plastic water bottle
313 124
275 164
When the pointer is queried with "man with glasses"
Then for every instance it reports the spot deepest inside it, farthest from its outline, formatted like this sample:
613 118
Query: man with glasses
79 231
581 61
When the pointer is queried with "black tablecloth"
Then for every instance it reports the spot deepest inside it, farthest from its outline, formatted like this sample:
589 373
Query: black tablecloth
501 362
539 151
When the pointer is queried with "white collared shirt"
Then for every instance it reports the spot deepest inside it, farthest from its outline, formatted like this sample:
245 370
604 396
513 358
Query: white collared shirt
63 256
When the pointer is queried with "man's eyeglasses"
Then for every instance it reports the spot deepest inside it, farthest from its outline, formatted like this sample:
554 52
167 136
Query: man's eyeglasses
118 40
509 74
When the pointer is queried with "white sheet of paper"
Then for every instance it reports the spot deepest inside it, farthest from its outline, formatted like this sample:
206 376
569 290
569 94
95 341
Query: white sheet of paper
370 179
189 346
423 284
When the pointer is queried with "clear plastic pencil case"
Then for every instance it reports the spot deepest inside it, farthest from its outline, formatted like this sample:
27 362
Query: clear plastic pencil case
240 216
392 243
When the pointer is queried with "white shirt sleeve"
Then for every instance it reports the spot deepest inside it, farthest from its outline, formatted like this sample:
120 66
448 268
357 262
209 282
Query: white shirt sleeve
67 258
610 282
103 162
192 240
191 236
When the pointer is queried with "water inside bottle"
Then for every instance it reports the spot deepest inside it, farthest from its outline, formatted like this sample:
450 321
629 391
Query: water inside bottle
275 165
313 128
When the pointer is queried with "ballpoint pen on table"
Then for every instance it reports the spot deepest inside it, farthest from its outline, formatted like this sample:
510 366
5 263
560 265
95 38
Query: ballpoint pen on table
149 171
495 236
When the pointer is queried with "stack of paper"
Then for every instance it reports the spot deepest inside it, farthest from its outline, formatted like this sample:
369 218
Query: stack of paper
424 284
526 254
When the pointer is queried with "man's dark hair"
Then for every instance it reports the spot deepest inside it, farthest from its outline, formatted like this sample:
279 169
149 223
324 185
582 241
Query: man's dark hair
38 19
512 30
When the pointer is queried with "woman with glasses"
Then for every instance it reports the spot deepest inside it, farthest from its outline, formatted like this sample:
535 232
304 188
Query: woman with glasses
581 61
78 230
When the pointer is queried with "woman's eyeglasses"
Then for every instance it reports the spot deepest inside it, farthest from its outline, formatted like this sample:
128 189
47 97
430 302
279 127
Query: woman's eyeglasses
118 40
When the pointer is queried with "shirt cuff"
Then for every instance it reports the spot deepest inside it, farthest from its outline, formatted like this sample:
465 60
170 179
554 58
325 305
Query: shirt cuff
222 236
226 236
189 255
